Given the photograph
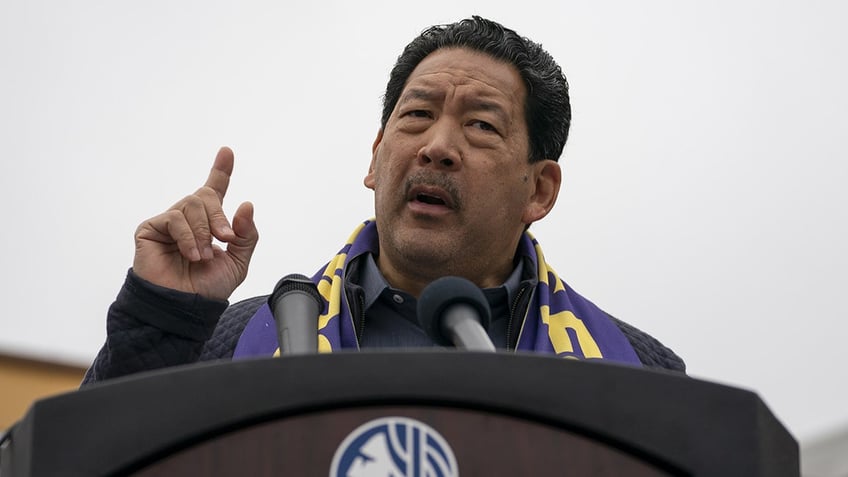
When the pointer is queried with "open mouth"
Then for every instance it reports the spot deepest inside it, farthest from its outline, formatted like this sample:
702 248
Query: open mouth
431 195
429 199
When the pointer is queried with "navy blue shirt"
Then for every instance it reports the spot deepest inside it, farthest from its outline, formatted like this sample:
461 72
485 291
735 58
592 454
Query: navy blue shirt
391 318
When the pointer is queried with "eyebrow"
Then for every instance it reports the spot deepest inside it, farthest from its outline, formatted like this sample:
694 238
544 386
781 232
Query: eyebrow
417 93
474 103
481 104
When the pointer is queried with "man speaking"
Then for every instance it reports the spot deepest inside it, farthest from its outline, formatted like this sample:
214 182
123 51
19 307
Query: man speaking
475 118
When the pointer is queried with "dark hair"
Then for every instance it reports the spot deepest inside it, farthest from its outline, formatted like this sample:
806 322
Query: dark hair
547 110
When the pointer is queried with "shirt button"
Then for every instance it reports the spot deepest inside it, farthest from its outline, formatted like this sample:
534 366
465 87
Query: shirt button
397 298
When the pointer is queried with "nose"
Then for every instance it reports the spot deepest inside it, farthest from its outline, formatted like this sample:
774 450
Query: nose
442 145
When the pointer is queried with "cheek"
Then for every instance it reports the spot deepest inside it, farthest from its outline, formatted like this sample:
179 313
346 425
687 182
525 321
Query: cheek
382 176
390 169
509 191
386 180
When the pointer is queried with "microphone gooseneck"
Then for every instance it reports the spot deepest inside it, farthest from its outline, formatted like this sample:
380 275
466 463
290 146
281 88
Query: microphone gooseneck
296 304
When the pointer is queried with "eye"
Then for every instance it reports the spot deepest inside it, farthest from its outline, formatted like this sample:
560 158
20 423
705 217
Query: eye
483 125
418 113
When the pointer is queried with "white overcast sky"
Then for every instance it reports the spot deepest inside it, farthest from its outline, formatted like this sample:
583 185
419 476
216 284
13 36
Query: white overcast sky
704 188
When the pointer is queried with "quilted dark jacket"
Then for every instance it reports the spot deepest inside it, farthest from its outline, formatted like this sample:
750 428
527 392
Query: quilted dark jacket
150 327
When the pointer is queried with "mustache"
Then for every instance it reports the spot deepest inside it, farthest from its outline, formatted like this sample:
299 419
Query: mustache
442 181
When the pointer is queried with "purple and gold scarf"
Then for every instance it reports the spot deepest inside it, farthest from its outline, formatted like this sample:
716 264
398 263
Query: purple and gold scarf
558 320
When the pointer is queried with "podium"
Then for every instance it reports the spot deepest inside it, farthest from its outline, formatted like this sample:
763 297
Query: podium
420 413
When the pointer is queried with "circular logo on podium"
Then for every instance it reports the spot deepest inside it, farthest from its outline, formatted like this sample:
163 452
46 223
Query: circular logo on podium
394 447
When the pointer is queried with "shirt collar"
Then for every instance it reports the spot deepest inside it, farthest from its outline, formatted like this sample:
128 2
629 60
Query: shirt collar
373 283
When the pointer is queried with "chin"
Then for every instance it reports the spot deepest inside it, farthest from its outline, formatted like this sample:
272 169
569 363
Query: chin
425 251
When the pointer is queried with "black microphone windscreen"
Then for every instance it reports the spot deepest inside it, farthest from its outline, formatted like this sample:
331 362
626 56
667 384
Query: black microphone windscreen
295 282
441 294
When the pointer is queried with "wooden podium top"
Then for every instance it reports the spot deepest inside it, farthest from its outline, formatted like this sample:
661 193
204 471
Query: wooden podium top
526 414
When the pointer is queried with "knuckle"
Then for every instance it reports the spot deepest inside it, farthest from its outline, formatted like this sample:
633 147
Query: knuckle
207 193
201 231
190 202
217 216
185 237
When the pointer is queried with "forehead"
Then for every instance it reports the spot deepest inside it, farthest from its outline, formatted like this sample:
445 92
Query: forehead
470 71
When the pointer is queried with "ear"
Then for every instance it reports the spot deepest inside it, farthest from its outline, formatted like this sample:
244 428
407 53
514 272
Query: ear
548 179
369 178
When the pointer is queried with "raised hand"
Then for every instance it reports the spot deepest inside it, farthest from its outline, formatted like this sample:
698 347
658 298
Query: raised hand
175 249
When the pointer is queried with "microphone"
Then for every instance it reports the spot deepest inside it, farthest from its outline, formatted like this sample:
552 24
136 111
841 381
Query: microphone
454 311
295 305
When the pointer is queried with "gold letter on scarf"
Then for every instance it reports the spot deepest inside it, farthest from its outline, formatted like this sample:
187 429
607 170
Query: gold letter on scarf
558 323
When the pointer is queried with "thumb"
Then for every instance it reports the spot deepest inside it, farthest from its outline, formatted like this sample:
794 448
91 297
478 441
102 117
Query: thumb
246 236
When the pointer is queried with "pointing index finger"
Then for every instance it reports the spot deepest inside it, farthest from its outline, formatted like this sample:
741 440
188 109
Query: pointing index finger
222 169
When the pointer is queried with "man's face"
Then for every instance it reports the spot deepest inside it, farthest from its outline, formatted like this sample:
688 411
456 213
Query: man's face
452 180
